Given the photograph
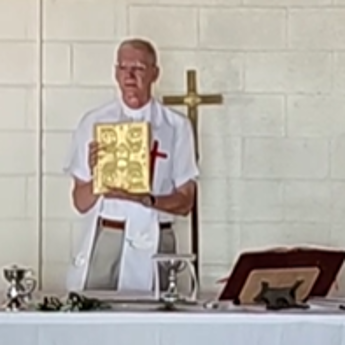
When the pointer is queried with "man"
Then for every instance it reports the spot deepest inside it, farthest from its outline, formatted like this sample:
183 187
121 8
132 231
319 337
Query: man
122 231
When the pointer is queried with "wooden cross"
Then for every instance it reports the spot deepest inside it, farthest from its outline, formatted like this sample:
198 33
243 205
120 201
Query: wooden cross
192 100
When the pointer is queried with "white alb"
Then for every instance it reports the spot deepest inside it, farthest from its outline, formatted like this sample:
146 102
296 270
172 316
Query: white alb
174 134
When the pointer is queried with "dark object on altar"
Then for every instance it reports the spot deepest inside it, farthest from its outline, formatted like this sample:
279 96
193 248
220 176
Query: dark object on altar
307 272
74 302
81 303
279 298
50 304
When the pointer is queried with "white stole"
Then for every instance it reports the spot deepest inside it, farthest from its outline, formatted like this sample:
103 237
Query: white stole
141 236
140 244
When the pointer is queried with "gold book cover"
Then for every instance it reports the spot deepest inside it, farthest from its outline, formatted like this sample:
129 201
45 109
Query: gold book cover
124 160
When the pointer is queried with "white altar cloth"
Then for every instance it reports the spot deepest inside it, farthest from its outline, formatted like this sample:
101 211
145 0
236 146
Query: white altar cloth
170 329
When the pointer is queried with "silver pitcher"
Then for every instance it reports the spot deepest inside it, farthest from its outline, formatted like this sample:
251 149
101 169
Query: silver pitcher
21 286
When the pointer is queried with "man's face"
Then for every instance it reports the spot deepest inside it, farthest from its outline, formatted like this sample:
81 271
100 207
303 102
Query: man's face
135 73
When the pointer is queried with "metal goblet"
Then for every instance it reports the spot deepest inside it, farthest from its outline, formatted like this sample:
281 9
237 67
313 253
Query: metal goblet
174 264
22 284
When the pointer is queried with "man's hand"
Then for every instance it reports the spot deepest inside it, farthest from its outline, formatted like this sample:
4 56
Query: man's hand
94 149
118 193
93 152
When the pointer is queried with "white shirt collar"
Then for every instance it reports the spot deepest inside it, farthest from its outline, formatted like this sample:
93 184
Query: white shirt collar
143 113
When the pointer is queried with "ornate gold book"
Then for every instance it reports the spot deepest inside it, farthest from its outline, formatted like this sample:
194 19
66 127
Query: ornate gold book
124 158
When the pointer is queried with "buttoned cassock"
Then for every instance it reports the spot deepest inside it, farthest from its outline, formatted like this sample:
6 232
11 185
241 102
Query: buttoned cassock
174 135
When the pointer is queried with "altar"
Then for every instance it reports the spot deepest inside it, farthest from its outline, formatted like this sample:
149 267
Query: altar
171 329
266 312
137 319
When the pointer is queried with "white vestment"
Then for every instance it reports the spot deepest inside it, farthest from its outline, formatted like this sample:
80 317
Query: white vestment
174 134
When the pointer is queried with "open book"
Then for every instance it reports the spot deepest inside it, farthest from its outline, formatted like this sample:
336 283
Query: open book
281 249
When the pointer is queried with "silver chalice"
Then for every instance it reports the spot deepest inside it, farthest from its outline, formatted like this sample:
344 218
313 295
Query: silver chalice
21 286
174 264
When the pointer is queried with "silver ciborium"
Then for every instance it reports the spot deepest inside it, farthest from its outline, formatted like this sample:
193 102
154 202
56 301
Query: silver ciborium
21 286
174 264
